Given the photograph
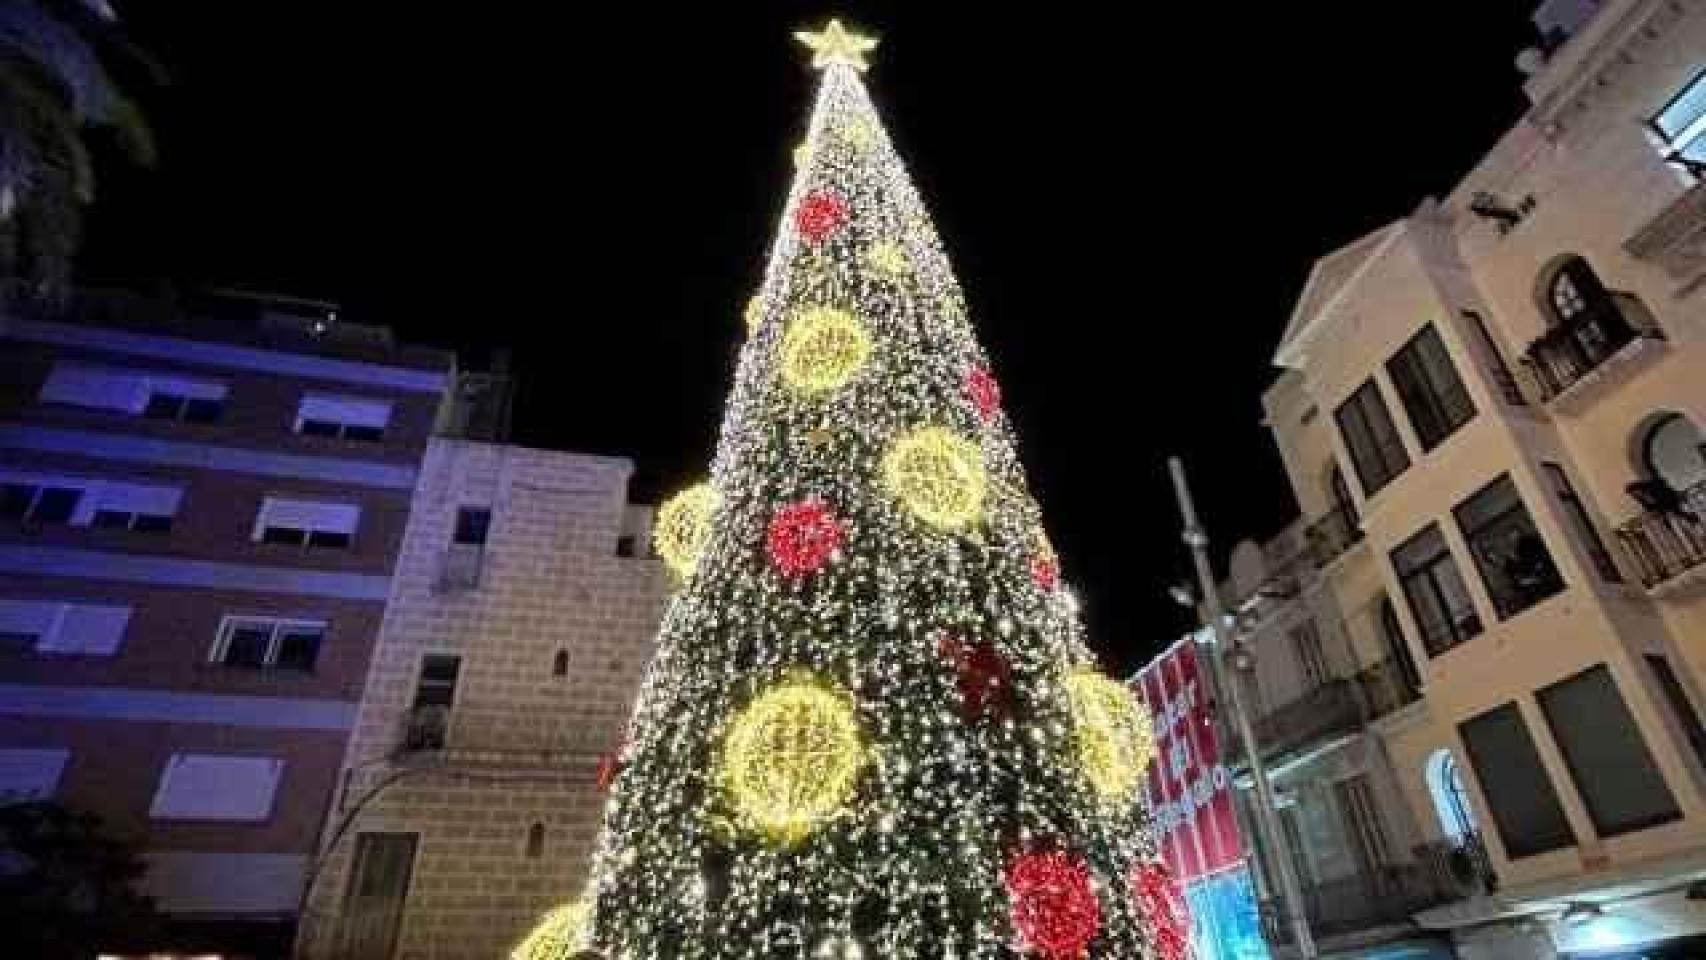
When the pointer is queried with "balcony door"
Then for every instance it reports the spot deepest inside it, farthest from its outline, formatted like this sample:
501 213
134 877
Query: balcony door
378 888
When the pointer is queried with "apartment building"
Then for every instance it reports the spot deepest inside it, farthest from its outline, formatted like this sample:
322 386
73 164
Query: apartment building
523 613
1491 414
201 504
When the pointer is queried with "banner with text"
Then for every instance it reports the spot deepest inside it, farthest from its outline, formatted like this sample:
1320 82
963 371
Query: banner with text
1190 789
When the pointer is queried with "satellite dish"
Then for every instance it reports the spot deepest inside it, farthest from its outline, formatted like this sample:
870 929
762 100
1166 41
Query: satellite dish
1530 61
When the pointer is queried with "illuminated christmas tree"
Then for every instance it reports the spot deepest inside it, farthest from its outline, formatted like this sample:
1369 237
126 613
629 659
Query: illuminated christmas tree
872 728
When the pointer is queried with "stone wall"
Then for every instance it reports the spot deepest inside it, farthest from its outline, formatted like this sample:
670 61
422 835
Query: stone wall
521 748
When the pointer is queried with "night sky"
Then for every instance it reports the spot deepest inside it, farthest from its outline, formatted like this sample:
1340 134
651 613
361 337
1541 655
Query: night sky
1132 203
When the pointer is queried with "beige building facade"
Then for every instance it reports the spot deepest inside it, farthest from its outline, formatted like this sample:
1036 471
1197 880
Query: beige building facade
523 612
1491 412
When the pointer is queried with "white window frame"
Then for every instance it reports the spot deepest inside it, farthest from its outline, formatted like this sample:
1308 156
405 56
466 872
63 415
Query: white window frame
346 413
53 618
335 517
124 390
31 773
276 628
1678 144
182 804
96 494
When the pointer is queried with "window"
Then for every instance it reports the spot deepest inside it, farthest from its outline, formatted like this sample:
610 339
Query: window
1451 799
1376 451
1510 553
306 523
50 626
202 786
1581 524
1674 453
1608 759
1438 598
348 418
1519 795
39 502
1362 818
1680 707
1429 388
1681 124
30 774
437 684
626 545
472 524
1392 635
84 501
1573 293
435 693
560 664
262 643
535 841
156 395
1306 642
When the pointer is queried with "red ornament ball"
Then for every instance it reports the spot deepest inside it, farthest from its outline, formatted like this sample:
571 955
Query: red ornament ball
803 537
981 674
1054 905
1164 909
984 392
821 213
1045 571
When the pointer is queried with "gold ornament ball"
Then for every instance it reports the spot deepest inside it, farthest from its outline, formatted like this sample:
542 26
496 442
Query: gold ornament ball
939 476
823 349
792 758
560 935
1113 734
683 527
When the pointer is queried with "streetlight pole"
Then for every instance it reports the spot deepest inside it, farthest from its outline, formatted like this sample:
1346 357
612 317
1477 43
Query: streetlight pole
1267 815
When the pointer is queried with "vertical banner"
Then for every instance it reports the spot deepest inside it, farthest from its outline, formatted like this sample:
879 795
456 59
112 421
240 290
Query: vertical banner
1190 789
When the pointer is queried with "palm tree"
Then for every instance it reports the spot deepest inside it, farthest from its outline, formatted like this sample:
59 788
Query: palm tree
54 88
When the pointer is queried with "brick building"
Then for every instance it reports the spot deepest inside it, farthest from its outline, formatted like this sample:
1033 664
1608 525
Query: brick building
522 615
200 507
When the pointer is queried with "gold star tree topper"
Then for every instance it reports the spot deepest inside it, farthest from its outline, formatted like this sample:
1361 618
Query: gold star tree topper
836 44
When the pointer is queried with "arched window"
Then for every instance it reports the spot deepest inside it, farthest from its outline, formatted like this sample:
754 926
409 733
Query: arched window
1572 291
1674 453
560 664
1451 800
535 841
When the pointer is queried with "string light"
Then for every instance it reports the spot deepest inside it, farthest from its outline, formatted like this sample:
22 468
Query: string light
870 803
792 758
836 44
822 350
560 934
1164 908
754 314
939 476
683 525
1054 907
1115 740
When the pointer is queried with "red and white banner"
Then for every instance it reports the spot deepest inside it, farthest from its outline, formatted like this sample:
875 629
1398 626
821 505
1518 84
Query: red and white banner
1190 789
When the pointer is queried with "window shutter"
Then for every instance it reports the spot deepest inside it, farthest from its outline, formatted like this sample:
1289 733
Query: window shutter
88 628
103 389
28 774
198 786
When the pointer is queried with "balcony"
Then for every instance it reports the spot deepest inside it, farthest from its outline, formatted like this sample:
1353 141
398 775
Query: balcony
1666 543
1333 534
1327 711
1605 338
1384 688
1389 895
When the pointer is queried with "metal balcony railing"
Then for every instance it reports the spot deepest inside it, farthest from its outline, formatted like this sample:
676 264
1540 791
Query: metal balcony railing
1326 711
425 728
1568 352
1333 534
1390 894
1385 687
1664 543
460 568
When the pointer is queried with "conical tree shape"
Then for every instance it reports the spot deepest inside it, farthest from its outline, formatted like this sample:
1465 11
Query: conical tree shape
872 728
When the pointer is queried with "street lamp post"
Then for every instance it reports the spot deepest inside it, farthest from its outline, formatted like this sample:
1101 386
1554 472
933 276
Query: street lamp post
1267 816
